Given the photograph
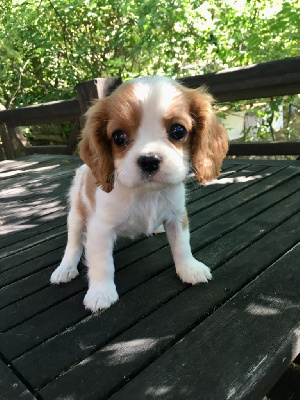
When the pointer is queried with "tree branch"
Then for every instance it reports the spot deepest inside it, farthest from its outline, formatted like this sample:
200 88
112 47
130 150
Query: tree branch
19 84
64 30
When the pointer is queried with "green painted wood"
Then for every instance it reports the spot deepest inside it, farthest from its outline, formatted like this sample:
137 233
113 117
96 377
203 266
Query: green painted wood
11 388
234 222
31 241
114 364
239 351
274 78
29 162
126 277
201 237
32 253
263 161
265 148
35 184
38 191
227 245
22 310
31 267
29 236
28 171
54 111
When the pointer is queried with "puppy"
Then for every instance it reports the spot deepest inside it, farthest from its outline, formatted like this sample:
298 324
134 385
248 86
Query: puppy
137 146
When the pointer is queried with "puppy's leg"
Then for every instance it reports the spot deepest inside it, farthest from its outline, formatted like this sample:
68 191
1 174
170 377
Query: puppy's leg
99 248
67 270
187 267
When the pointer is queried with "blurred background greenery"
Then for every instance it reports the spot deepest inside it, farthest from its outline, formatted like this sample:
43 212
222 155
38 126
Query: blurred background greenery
47 46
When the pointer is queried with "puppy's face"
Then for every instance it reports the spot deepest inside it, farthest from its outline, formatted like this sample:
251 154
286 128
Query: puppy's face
147 132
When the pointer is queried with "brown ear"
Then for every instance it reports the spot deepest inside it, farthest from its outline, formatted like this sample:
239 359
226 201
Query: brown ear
95 147
209 141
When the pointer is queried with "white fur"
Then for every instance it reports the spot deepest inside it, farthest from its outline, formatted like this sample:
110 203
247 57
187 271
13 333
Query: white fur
135 205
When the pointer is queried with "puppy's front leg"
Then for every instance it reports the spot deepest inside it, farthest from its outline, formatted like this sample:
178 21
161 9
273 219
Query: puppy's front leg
187 267
99 248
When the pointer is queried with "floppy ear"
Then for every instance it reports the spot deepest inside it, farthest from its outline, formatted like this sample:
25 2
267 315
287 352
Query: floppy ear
95 147
209 139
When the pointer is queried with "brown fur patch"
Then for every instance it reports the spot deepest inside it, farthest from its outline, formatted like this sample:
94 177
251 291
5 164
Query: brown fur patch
209 138
119 111
88 185
125 114
95 147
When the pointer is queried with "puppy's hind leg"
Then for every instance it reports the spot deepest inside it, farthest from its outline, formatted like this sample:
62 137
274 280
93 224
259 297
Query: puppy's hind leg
67 270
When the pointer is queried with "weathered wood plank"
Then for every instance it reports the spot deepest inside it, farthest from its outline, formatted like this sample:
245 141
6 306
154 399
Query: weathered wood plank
86 342
11 387
156 242
38 190
202 236
55 111
126 280
25 168
266 313
114 364
30 267
30 254
28 161
261 161
275 78
40 208
58 149
245 226
264 149
227 245
33 212
231 243
231 185
30 237
37 240
48 169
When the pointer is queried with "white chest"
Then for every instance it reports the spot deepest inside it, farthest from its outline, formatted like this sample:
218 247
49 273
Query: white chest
150 210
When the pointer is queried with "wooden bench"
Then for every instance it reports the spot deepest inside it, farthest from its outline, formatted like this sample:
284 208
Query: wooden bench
229 339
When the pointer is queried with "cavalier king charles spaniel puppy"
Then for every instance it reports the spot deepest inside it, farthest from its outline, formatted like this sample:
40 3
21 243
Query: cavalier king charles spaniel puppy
137 146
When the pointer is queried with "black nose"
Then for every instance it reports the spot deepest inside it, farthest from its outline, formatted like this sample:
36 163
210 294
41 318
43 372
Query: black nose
149 163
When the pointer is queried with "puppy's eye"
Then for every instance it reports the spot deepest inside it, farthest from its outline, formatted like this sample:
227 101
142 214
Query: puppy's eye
120 138
177 132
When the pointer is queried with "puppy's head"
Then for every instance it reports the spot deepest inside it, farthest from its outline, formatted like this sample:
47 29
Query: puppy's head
147 132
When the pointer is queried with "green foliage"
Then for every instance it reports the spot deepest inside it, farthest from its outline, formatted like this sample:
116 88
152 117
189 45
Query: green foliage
47 46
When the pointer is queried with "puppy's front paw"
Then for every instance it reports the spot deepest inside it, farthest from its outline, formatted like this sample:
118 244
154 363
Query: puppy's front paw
63 274
101 296
194 272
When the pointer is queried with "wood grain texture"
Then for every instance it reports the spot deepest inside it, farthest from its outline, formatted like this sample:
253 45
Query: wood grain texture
162 339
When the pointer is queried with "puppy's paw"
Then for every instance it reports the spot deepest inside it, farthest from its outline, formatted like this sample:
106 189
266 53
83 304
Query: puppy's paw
101 296
63 274
194 272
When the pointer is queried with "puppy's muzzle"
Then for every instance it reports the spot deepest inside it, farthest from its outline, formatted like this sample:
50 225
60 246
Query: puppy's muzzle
149 163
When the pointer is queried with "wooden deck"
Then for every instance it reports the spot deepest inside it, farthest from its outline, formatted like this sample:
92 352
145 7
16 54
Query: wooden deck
229 339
